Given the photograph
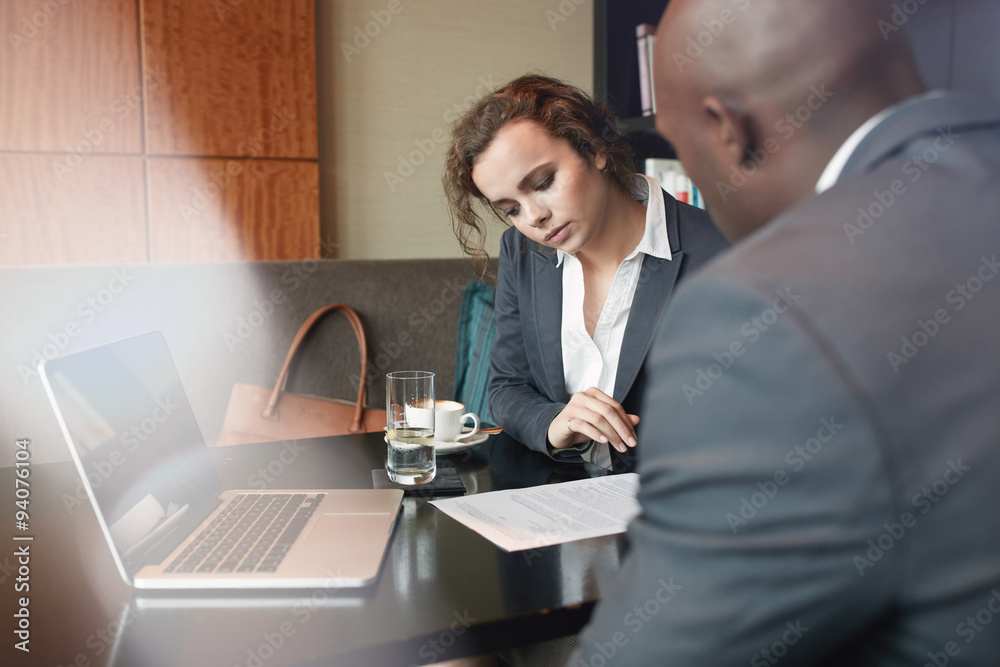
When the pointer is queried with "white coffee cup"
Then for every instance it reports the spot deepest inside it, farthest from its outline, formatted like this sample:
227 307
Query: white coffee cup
450 418
420 417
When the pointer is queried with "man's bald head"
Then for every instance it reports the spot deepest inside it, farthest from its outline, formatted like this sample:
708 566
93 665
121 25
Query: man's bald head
757 95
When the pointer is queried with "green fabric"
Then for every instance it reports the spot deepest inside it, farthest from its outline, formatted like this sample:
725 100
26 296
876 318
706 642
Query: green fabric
475 340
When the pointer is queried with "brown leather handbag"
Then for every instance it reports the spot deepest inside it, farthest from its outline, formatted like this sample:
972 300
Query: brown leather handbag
262 414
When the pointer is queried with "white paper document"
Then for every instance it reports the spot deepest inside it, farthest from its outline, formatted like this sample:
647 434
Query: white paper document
541 516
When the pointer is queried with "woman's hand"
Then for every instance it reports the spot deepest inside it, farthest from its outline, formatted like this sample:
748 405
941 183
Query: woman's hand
593 415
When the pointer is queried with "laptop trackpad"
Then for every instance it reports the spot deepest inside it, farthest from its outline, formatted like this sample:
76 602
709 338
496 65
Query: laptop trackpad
352 544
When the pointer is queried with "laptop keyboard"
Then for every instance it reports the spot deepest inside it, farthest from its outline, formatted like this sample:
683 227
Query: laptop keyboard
252 533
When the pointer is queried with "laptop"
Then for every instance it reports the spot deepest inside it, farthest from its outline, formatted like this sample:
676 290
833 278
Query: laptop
170 526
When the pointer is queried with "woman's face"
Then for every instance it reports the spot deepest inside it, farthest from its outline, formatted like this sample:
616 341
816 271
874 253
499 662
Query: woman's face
543 187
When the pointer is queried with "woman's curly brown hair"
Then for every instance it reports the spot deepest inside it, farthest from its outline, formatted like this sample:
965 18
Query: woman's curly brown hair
564 111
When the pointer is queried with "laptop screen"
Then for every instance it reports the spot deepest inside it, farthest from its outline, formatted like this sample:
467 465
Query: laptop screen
135 436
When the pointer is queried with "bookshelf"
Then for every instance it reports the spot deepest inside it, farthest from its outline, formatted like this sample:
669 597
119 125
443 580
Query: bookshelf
616 72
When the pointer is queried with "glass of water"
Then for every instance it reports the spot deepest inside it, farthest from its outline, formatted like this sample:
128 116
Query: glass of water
409 404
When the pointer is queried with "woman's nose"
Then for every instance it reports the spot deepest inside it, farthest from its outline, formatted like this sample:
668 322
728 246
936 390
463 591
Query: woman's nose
536 214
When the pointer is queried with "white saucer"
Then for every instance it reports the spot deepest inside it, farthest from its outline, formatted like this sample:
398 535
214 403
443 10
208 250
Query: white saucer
445 447
450 447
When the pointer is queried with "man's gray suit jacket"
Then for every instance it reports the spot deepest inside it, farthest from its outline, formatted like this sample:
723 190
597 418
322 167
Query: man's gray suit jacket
527 382
822 485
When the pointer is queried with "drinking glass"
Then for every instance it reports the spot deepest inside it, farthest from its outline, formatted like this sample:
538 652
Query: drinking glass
409 404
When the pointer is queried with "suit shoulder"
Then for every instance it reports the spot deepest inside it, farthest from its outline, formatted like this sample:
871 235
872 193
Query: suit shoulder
517 248
776 250
509 237
692 231
513 244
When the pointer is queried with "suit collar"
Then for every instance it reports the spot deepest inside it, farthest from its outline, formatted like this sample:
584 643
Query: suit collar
941 115
656 283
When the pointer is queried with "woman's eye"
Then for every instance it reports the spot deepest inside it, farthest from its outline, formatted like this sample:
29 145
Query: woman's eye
511 212
544 185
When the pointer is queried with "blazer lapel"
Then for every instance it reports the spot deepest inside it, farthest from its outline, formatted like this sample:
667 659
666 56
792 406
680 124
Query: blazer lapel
656 282
546 288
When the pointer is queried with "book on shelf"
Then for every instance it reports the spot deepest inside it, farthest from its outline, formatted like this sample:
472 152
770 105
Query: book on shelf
671 176
645 38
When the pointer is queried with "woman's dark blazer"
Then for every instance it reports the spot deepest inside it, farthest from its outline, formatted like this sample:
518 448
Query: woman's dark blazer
527 387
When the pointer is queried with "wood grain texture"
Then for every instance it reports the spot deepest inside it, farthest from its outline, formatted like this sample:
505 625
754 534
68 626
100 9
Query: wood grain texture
70 76
241 78
221 210
96 213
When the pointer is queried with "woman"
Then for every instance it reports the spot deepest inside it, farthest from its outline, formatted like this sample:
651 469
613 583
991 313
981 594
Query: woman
584 272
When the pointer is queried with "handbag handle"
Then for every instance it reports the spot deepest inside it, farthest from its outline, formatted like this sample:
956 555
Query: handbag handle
270 412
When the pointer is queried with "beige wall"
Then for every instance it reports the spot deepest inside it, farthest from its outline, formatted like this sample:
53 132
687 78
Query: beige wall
385 98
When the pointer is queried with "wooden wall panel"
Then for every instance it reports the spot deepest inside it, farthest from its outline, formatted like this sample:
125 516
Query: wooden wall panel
69 76
241 78
218 210
216 78
94 214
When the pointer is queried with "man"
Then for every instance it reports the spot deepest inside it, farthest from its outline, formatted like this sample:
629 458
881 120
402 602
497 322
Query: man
822 487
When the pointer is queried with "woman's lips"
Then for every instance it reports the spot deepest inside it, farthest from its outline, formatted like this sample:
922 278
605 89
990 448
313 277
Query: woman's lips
558 234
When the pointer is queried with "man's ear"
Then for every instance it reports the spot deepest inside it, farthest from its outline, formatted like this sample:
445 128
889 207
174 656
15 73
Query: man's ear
732 133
